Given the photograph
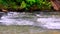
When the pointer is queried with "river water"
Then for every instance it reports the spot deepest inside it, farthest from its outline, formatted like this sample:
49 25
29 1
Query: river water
46 20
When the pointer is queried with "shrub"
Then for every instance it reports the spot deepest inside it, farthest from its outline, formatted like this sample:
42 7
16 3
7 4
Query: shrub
21 4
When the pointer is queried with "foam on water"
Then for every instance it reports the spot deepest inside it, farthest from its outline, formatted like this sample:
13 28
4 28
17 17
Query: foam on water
50 22
12 18
15 18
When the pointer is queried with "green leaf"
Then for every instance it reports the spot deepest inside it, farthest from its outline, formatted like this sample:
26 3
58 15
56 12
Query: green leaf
23 4
31 1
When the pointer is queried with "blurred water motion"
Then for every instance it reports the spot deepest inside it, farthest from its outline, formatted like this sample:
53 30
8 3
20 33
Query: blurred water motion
49 20
14 18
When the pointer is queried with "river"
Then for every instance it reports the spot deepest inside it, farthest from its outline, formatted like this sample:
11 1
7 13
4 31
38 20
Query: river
30 23
48 20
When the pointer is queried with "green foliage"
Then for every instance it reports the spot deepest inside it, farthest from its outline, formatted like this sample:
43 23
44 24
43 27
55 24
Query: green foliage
23 5
15 4
43 4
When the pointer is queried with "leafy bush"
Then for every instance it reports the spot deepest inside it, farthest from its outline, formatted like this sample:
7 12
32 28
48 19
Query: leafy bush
20 4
